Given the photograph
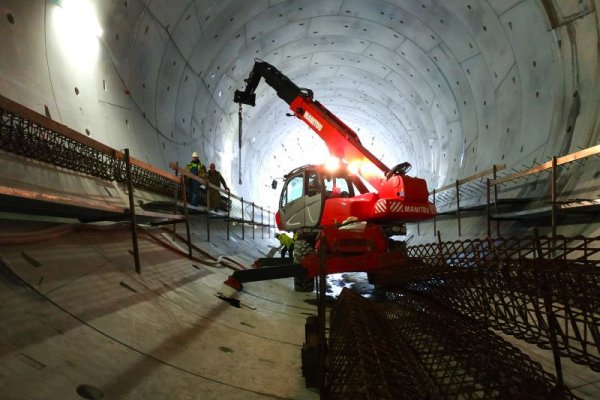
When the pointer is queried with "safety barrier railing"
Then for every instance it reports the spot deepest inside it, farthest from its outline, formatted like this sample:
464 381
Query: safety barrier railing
451 194
27 133
448 198
551 166
247 213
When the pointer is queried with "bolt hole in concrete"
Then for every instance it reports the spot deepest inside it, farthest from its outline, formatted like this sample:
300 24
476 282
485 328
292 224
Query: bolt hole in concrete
10 18
90 392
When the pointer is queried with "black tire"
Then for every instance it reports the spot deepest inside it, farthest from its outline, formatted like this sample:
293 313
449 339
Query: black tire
310 353
302 284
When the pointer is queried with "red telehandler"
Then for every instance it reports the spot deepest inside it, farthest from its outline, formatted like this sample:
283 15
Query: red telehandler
318 202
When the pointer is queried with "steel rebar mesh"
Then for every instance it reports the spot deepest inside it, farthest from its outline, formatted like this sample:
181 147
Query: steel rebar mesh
364 362
518 286
464 358
21 136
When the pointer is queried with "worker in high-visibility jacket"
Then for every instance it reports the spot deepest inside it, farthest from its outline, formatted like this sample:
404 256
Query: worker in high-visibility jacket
287 244
195 167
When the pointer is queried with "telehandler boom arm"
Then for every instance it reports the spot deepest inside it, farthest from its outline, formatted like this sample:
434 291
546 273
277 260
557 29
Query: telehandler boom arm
341 140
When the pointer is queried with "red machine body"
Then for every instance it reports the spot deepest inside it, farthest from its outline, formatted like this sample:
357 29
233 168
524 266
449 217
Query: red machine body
319 213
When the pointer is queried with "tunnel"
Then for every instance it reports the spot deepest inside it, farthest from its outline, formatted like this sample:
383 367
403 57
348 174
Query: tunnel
112 289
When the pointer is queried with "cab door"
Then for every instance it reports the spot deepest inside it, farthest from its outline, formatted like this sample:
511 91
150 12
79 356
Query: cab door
313 199
291 203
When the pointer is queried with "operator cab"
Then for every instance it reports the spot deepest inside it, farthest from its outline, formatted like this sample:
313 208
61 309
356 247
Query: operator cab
308 188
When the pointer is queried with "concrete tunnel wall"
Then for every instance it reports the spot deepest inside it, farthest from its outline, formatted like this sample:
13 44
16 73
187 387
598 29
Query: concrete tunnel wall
450 86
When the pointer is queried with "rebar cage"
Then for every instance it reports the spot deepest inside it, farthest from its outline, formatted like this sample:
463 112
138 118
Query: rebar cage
444 302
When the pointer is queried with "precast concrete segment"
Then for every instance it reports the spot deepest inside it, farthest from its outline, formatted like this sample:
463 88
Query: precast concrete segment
168 318
163 73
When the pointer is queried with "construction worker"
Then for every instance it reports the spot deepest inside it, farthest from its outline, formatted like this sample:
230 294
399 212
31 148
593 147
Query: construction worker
287 244
215 178
195 167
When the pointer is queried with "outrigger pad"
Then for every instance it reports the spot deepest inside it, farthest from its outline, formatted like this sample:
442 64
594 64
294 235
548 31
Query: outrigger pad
233 283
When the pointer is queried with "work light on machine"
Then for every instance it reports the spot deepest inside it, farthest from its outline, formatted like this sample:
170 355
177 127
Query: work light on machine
332 164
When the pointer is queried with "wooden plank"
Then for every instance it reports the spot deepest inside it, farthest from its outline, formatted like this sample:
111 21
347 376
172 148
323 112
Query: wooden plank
64 200
590 151
489 171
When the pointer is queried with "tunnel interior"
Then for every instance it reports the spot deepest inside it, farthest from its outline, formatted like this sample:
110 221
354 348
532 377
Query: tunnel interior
459 89
453 88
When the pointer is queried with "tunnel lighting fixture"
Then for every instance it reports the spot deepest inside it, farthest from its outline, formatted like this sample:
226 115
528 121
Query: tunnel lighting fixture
78 30
80 18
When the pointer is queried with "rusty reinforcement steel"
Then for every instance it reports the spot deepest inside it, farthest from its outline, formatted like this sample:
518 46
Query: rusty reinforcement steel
23 137
530 288
365 362
465 359
411 348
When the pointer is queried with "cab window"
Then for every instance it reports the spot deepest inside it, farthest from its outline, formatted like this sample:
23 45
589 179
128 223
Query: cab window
336 186
313 185
293 190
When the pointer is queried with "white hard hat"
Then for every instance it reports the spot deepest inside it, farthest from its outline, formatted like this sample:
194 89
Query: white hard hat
195 155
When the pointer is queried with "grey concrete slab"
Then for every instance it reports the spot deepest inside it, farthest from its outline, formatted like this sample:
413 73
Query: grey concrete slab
167 317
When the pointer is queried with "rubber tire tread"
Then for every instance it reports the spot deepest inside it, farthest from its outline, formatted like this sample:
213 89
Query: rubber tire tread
302 248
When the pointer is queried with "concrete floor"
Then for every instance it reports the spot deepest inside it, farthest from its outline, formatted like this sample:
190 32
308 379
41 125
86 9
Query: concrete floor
76 316
75 313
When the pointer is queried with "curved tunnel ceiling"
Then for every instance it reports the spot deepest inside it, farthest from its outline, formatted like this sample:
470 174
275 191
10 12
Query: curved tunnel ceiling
450 86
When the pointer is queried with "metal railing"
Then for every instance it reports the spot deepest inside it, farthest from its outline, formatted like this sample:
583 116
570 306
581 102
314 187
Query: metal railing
448 198
238 210
27 133
474 185
551 165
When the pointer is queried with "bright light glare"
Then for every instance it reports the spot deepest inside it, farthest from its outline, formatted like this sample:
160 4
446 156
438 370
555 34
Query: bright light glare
354 167
332 164
368 169
364 168
78 30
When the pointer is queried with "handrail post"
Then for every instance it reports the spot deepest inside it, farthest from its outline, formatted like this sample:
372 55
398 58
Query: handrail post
253 223
175 199
554 208
132 221
489 226
207 211
262 223
243 219
435 216
496 200
187 220
458 205
228 213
